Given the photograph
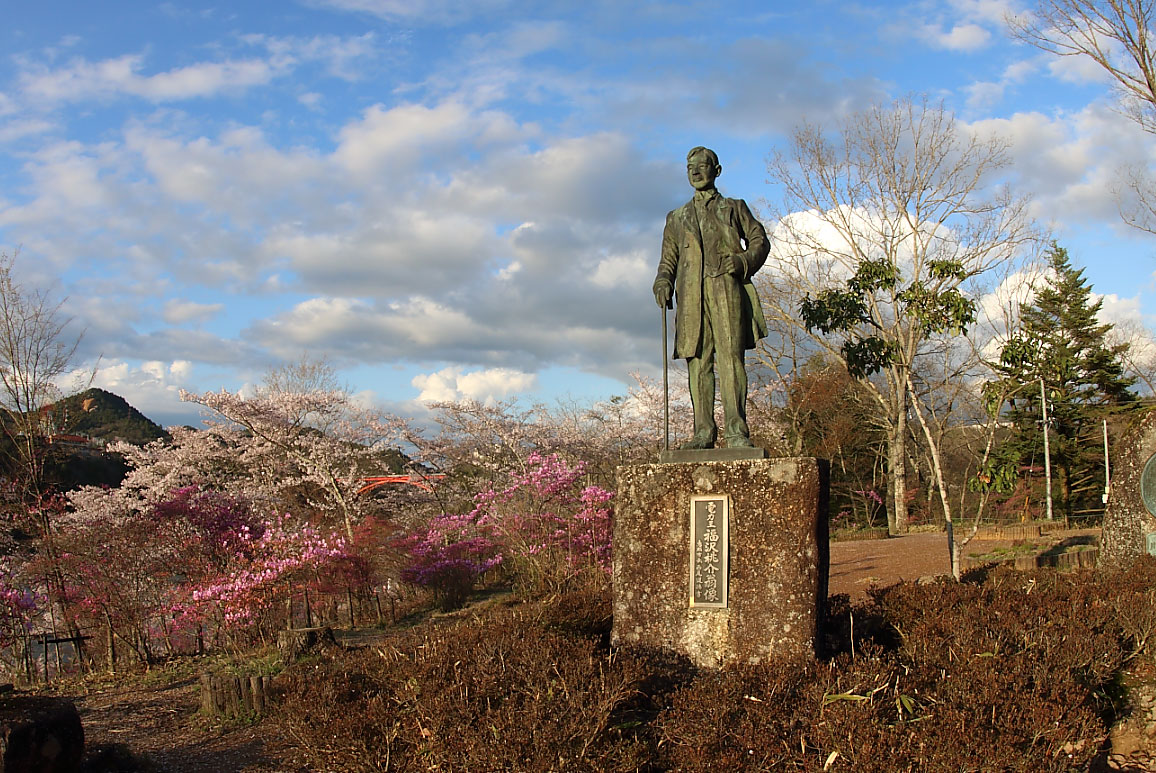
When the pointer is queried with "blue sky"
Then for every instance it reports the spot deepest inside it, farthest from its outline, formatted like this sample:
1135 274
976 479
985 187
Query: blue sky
465 199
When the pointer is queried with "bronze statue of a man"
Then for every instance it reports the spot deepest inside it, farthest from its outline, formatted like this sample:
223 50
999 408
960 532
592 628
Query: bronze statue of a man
711 247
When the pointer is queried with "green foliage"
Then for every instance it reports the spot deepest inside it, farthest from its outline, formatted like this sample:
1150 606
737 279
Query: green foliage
102 415
999 474
933 307
1063 342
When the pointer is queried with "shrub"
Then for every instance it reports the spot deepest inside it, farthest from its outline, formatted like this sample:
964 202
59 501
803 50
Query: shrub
1005 671
448 557
499 694
546 531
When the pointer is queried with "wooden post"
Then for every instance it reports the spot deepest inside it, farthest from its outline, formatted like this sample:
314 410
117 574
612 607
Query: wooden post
308 610
244 687
55 634
27 637
111 644
257 690
349 595
206 693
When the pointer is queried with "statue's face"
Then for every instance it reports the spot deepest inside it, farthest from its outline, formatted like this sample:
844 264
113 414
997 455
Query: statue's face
701 172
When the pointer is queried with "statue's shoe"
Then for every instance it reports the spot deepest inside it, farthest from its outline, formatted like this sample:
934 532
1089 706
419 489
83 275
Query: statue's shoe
740 442
697 443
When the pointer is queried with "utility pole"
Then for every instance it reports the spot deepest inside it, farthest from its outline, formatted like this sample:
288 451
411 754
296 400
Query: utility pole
1107 469
1047 449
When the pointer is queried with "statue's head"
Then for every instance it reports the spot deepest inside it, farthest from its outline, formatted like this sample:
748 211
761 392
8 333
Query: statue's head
702 167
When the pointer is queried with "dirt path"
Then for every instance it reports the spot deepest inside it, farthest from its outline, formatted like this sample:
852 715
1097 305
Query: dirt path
162 724
856 566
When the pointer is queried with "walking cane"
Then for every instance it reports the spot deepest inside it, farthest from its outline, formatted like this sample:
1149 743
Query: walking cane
665 387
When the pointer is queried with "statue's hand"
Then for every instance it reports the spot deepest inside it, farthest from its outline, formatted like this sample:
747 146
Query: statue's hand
662 293
731 266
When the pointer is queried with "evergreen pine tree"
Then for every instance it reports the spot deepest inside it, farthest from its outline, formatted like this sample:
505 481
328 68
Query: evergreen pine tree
1063 342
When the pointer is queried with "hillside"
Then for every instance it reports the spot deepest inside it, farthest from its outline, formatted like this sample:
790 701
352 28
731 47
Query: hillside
99 414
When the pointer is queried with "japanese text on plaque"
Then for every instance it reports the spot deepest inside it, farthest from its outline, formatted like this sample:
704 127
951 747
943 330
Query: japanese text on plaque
709 551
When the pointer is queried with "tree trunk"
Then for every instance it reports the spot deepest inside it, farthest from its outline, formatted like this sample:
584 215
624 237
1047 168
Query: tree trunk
937 469
897 475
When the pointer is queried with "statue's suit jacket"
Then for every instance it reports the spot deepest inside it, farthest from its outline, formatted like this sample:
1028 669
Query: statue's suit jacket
682 265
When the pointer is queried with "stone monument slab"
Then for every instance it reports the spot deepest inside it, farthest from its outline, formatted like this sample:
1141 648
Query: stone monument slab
710 454
1129 529
758 527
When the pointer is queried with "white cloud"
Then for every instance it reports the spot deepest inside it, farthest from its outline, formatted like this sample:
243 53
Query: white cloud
316 319
1078 70
178 311
633 270
20 128
486 386
238 174
1017 72
152 387
1071 164
418 11
508 271
1116 309
390 140
962 37
989 11
984 94
85 80
344 57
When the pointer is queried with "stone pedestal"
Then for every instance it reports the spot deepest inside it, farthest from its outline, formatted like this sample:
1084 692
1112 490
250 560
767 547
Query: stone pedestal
777 561
1129 520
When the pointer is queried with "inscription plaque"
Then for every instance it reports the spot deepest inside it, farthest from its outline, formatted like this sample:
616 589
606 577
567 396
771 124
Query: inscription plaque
709 549
1148 484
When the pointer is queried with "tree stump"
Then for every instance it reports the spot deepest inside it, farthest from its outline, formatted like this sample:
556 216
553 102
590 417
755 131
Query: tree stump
234 697
39 734
297 642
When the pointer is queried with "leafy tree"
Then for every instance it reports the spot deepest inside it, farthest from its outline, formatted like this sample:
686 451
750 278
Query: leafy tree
887 226
1063 343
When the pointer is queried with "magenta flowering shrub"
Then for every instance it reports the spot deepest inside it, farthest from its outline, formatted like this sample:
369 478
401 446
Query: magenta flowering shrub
19 605
197 565
264 558
872 503
449 555
222 524
553 528
544 528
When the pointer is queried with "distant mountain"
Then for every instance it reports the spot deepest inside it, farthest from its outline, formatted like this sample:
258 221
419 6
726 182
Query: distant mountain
103 415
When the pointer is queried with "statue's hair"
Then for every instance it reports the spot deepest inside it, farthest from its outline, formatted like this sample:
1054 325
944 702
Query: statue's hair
709 154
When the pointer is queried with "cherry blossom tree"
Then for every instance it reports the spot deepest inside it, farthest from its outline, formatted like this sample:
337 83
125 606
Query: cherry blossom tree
317 444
